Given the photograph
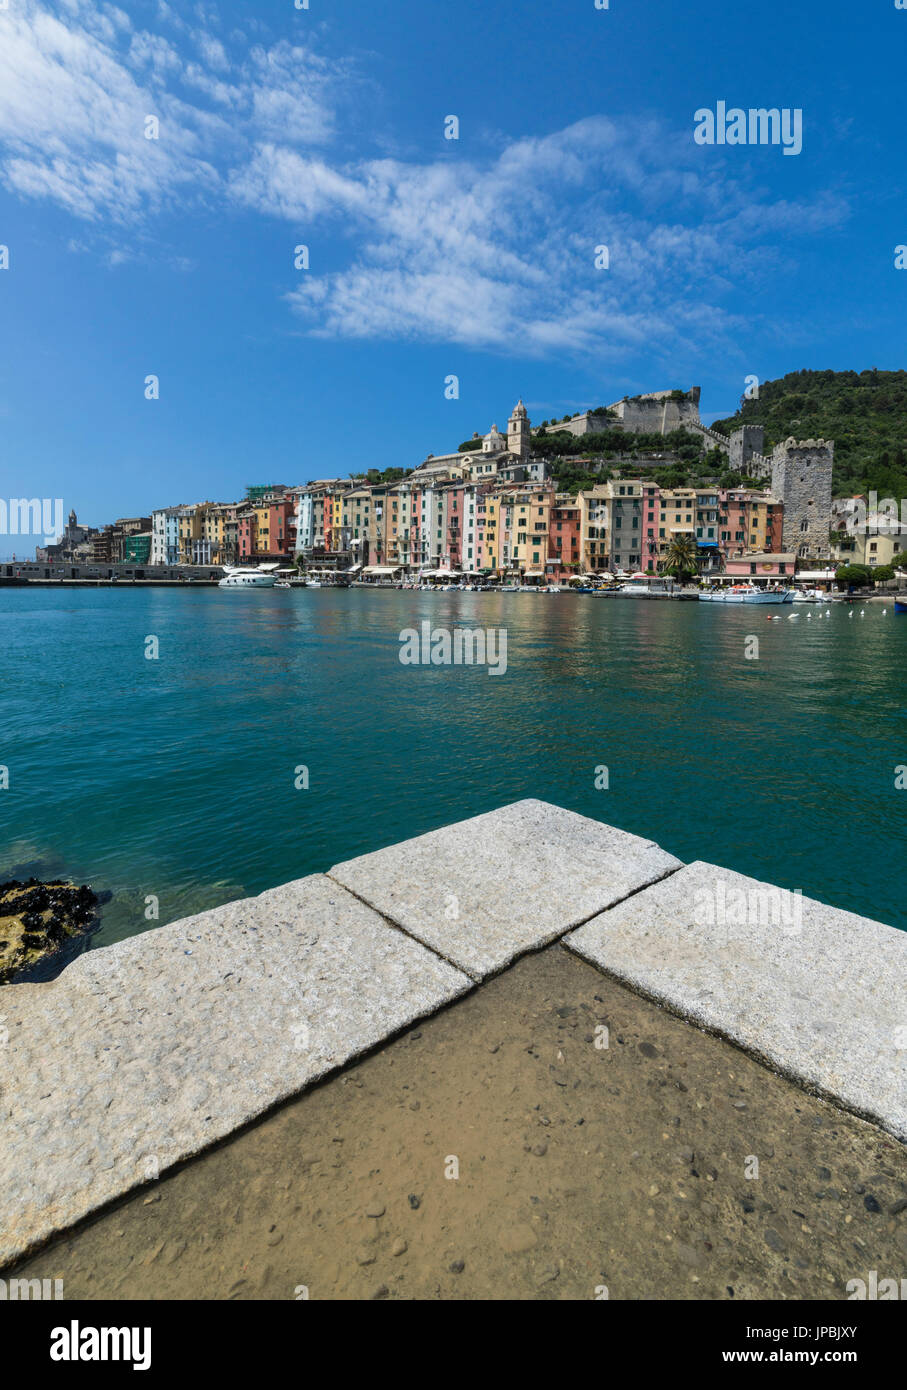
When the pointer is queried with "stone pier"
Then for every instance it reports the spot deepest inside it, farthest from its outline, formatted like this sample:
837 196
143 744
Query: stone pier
146 1053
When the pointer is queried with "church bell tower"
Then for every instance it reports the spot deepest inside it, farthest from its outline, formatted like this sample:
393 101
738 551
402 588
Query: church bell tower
519 438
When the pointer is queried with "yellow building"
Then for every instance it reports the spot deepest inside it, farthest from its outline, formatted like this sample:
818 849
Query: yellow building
189 530
487 532
525 513
399 521
595 547
883 541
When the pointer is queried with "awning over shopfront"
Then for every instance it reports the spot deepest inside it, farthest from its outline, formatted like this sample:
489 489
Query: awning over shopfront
382 569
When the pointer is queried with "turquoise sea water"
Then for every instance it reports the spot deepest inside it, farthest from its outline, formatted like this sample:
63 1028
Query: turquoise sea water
175 777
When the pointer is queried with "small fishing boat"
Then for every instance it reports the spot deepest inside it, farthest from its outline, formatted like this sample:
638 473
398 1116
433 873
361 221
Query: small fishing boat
900 605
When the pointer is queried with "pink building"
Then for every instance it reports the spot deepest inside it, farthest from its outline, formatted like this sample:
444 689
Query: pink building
761 569
564 528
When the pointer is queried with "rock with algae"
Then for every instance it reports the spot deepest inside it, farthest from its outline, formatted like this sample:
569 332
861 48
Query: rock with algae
37 919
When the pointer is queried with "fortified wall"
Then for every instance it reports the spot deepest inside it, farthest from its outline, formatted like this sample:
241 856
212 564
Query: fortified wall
580 425
745 453
659 412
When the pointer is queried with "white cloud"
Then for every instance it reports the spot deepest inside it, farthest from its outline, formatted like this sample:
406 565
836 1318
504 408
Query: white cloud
290 94
495 251
501 253
77 82
213 52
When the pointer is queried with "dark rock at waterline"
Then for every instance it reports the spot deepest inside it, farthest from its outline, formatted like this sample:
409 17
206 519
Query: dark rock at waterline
37 919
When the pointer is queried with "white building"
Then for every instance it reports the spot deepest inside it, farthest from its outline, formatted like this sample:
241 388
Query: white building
165 538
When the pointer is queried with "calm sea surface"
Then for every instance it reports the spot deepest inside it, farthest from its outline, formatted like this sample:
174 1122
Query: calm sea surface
175 777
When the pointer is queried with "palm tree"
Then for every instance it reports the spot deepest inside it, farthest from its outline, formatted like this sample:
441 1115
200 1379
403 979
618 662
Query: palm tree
682 557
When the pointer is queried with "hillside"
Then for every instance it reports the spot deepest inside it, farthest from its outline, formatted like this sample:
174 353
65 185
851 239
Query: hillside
865 413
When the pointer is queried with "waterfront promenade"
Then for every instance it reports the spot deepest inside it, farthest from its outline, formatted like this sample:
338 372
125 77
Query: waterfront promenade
146 1053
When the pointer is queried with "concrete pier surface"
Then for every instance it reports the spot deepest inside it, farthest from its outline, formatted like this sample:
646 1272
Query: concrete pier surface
585 1119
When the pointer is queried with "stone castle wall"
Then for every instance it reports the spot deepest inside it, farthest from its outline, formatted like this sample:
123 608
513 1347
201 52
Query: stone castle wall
658 413
582 425
746 442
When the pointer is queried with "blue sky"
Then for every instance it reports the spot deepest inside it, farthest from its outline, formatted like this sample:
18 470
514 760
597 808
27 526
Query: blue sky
428 257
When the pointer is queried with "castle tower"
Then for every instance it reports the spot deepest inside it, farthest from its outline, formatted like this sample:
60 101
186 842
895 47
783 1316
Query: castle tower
801 479
745 442
519 435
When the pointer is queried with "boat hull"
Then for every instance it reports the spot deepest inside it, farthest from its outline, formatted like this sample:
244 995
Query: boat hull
728 596
251 579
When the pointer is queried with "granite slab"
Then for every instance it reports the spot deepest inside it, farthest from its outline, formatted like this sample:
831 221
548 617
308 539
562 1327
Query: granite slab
817 993
486 890
145 1052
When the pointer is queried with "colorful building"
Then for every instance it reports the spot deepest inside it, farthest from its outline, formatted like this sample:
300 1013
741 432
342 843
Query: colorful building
595 528
626 497
764 568
564 538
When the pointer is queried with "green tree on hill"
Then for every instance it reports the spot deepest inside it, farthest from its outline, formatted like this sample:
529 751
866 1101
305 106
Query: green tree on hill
865 413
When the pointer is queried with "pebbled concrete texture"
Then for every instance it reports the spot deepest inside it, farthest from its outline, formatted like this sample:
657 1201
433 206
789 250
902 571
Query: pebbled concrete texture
578 1166
146 1052
486 890
817 993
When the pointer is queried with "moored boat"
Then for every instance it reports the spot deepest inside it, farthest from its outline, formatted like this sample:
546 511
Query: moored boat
900 605
248 577
746 593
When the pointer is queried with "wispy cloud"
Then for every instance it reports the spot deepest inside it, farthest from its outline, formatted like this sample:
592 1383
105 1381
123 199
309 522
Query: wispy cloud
501 254
494 251
78 81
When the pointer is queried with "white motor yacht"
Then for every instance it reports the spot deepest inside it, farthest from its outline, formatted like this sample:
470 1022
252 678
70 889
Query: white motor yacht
248 577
